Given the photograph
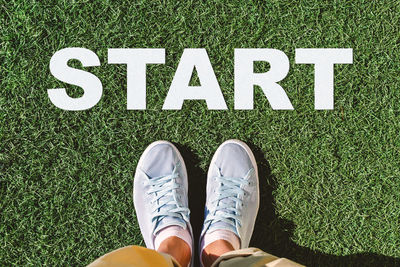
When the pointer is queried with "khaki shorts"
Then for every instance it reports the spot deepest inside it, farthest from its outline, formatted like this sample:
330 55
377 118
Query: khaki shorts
135 256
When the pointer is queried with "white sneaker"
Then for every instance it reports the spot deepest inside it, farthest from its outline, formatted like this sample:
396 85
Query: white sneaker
160 191
232 191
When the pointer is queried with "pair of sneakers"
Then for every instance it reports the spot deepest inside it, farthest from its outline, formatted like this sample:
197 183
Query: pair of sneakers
161 192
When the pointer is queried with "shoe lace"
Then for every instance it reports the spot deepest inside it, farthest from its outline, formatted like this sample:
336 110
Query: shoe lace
165 201
229 188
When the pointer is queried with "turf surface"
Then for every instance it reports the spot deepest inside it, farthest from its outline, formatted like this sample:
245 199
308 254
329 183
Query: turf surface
330 179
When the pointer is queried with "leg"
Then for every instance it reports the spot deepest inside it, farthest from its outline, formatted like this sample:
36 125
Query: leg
232 201
161 201
161 204
231 210
252 257
177 248
214 250
134 256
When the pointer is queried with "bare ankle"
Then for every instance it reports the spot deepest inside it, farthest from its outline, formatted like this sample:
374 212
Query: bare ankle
214 250
177 248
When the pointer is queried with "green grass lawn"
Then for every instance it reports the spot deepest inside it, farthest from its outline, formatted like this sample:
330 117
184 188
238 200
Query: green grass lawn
329 179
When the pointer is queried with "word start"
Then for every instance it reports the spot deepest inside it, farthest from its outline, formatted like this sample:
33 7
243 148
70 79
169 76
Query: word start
196 58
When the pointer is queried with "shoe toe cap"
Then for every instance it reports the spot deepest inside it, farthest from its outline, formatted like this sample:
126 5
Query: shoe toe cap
160 160
233 160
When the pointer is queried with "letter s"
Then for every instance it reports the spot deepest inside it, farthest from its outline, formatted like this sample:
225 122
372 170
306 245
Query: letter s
91 85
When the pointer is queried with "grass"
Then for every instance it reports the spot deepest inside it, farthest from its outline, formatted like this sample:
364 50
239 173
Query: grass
331 189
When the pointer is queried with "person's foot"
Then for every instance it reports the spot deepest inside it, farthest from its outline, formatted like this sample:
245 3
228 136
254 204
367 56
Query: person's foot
161 201
232 200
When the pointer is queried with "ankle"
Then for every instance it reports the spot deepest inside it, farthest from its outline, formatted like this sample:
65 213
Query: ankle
177 248
214 250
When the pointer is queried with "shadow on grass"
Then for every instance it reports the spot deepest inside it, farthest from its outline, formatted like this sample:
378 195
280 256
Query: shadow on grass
197 193
271 233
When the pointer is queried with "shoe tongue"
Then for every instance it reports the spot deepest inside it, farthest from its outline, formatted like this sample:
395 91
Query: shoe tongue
168 220
220 225
228 171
